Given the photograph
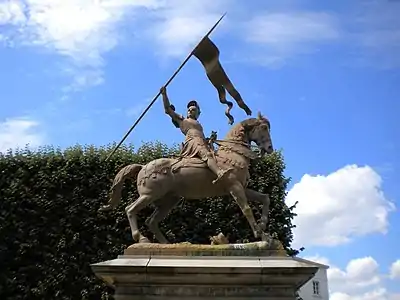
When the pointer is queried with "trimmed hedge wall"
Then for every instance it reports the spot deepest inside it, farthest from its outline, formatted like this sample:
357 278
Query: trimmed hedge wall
50 230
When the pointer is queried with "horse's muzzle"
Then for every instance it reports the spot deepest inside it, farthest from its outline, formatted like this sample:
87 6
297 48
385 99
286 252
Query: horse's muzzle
264 151
270 149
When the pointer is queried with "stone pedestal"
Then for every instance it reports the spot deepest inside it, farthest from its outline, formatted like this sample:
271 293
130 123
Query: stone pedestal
221 273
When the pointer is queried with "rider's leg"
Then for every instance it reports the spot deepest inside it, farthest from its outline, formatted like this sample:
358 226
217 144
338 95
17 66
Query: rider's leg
212 165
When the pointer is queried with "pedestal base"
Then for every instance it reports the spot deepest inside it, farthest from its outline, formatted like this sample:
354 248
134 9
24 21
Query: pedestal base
204 277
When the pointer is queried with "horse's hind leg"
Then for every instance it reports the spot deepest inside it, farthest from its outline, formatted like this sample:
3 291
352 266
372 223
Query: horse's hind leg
132 210
163 207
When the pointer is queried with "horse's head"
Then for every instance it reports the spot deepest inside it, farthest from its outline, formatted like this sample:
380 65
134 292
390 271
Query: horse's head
258 131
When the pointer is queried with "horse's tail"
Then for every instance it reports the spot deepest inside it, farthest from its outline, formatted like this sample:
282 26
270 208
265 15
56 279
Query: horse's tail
130 171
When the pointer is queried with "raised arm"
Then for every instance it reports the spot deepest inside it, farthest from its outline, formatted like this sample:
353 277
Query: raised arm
168 108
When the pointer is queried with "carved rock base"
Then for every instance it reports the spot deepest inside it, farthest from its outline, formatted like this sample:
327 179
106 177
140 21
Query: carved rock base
155 277
266 248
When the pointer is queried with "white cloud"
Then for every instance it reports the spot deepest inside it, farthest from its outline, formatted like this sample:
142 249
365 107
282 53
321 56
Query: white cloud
286 34
370 30
360 280
11 12
376 294
395 270
19 132
336 208
84 30
318 259
136 109
359 273
181 24
377 31
282 30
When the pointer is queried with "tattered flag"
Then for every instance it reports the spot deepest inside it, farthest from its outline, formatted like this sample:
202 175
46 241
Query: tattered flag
208 54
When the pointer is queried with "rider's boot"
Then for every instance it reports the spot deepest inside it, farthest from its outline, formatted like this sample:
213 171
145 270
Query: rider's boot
221 174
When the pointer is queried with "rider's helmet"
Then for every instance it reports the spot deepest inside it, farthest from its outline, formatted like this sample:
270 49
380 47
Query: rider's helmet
194 103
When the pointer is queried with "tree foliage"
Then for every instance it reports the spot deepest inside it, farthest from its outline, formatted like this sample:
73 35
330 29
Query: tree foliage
50 230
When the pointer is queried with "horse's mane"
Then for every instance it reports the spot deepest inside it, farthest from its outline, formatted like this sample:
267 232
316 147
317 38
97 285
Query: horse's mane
238 131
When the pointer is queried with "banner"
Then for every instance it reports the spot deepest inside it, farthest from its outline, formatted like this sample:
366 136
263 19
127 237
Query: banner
208 54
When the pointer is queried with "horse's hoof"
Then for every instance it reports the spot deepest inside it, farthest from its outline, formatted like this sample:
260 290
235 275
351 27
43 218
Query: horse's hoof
136 236
105 208
144 240
265 237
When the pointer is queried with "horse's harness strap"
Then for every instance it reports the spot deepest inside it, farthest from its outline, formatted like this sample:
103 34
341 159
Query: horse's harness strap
230 141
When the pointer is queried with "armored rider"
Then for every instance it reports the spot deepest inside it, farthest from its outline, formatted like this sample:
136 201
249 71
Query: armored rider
195 144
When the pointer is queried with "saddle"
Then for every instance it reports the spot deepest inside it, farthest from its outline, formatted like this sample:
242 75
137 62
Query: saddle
187 162
194 162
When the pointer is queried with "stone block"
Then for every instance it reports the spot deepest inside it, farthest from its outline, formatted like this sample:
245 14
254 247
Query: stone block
193 275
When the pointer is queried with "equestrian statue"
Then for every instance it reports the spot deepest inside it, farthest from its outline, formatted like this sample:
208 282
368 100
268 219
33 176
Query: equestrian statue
199 172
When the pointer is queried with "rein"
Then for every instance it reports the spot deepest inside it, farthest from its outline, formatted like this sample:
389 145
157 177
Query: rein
218 142
247 145
250 153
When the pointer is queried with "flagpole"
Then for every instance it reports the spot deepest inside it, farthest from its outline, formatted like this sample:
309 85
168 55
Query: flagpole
166 84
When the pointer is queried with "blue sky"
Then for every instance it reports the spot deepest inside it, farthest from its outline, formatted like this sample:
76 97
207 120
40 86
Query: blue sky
325 74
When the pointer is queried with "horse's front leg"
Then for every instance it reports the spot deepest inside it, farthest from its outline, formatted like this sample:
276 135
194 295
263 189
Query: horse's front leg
238 193
253 195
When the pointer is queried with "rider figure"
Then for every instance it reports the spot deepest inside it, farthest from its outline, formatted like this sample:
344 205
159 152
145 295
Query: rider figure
195 144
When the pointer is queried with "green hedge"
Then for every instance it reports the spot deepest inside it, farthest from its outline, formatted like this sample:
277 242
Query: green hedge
50 230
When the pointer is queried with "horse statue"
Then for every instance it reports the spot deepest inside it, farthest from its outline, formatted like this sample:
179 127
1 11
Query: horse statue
163 181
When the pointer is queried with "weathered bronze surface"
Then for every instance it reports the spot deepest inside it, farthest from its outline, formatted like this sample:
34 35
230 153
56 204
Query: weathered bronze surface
198 173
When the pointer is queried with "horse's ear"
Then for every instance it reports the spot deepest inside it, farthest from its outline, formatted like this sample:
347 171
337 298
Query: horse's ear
259 115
